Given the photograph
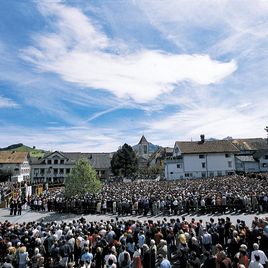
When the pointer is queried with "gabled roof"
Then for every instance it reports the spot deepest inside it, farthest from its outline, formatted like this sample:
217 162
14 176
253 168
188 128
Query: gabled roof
218 146
246 158
253 144
97 160
13 157
143 140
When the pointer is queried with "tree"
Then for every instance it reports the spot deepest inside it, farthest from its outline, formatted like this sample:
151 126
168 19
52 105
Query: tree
124 161
82 180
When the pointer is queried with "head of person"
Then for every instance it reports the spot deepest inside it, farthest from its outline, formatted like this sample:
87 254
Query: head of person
255 246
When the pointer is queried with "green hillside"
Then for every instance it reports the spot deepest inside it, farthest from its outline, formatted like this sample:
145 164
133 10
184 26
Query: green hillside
19 147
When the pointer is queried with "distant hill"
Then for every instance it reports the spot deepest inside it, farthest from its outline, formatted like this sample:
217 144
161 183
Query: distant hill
20 147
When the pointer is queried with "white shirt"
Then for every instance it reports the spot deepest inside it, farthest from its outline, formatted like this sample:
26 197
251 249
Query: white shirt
260 253
254 264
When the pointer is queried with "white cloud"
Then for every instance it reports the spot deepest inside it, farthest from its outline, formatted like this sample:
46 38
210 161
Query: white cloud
7 103
78 51
75 139
214 120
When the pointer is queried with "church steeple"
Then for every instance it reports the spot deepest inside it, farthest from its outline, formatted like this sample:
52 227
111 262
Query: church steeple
143 147
143 140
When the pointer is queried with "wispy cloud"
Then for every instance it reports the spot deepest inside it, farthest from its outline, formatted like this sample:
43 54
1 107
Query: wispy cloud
81 55
7 103
98 73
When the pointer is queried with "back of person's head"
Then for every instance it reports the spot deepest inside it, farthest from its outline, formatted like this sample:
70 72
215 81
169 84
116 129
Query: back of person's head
255 246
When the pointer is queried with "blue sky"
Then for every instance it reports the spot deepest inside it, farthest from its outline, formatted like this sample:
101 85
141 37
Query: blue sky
92 75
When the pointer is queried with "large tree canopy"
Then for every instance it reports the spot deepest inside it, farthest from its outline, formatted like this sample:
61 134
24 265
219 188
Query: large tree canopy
82 180
124 161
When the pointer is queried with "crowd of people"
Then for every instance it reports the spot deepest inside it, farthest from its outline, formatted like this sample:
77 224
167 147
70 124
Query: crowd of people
234 193
164 243
218 243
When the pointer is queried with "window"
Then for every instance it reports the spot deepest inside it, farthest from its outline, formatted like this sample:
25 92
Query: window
219 173
201 156
203 164
61 171
145 149
203 174
56 161
49 161
62 161
103 172
187 175
178 165
171 172
67 170
42 171
211 174
229 163
55 170
227 155
265 165
266 156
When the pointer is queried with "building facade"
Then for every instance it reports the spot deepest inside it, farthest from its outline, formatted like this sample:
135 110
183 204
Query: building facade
55 167
201 159
252 156
16 164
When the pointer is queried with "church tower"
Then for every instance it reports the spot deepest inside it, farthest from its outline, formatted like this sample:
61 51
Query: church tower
143 147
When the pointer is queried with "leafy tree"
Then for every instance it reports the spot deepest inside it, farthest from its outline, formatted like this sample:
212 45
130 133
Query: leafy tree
82 180
124 161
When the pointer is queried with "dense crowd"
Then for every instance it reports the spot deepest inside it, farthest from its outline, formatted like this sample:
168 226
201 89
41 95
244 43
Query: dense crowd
218 243
214 195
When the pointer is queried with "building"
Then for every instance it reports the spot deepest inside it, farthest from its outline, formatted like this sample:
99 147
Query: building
157 159
252 156
201 159
56 166
16 164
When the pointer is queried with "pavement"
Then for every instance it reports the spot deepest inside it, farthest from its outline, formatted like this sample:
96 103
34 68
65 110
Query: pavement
30 216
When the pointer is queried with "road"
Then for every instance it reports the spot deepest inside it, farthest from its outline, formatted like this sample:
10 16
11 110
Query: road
30 216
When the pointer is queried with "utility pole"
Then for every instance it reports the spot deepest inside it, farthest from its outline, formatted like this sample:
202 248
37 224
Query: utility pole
266 129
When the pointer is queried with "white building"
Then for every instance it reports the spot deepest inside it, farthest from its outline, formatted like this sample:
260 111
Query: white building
16 164
201 159
252 156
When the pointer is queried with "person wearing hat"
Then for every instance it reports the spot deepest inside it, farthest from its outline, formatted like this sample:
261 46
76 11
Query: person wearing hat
256 263
241 257
257 252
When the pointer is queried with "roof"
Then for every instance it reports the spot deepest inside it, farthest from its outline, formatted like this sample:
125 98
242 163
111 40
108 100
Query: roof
246 158
143 140
12 157
260 153
217 146
97 160
253 144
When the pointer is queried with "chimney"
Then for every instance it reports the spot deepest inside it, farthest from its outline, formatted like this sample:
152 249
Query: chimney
202 138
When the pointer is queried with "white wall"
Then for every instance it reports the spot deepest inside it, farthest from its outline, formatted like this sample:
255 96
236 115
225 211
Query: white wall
192 165
251 167
172 172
